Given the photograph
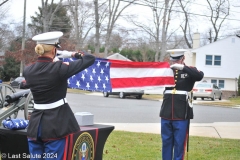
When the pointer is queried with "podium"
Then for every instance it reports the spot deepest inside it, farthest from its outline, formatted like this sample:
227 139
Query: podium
88 143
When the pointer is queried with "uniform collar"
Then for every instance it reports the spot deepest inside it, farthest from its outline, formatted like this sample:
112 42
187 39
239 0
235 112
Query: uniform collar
44 59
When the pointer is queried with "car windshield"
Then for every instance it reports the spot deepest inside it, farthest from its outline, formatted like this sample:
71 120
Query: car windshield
204 85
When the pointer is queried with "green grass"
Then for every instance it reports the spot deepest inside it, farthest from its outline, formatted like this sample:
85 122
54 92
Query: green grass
229 103
122 145
78 91
235 101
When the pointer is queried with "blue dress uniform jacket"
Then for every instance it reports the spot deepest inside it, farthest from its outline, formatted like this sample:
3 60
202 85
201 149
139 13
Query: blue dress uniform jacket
47 81
176 106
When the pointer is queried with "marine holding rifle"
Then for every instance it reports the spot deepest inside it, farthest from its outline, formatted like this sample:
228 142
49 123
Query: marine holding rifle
176 110
52 119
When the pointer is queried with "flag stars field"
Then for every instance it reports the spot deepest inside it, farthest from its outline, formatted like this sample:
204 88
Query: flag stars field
93 71
83 77
78 84
87 86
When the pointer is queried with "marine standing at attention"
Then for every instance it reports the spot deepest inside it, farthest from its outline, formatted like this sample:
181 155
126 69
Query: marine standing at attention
176 110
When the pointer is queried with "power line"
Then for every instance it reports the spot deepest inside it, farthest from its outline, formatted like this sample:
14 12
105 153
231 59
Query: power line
183 40
208 6
180 11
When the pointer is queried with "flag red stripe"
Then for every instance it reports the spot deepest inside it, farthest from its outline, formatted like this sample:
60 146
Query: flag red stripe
127 64
141 82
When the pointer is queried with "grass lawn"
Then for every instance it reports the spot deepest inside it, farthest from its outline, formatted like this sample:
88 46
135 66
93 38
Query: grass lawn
122 145
231 102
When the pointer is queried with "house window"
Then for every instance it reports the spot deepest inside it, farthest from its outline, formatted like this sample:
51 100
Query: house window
219 83
217 60
213 60
214 81
208 59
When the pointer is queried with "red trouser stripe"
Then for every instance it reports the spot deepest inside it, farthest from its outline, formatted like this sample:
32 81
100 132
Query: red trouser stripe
65 148
185 143
70 148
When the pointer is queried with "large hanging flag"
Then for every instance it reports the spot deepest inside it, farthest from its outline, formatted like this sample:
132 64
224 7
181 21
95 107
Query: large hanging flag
107 75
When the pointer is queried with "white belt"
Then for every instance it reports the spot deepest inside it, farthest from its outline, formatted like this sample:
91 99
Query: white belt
50 105
175 92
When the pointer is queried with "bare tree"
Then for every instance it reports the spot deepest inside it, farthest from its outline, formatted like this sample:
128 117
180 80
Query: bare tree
2 2
186 28
166 20
97 28
6 35
83 20
100 10
114 10
4 10
161 13
219 12
48 13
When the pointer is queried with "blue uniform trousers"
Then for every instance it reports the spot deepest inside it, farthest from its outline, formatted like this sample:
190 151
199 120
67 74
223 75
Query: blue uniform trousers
174 137
47 150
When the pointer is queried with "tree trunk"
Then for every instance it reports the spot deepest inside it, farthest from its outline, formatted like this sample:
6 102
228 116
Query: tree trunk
164 33
114 13
78 45
97 25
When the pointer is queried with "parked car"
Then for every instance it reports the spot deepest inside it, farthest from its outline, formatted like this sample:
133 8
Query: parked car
138 95
18 82
206 90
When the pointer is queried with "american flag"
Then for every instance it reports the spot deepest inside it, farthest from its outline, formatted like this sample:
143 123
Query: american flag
107 75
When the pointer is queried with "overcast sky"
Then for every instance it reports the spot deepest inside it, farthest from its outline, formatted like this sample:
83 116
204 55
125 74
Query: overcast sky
16 9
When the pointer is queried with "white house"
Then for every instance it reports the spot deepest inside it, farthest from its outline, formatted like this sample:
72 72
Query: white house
220 62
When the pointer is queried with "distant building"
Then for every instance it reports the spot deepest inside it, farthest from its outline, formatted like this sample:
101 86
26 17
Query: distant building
220 63
118 56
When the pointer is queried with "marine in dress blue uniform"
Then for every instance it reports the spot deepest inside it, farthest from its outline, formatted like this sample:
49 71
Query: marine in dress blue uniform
176 109
52 119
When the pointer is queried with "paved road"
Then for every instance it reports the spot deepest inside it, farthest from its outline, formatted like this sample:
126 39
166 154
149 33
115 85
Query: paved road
131 110
135 115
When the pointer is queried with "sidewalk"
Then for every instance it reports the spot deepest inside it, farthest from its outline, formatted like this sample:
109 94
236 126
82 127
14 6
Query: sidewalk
229 130
214 130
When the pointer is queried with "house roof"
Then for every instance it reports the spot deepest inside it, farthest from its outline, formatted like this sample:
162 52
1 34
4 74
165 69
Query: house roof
214 43
118 56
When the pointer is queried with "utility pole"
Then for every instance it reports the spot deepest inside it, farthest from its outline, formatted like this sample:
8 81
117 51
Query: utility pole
23 37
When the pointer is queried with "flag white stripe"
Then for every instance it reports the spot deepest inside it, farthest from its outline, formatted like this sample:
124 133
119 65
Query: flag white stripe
140 89
140 72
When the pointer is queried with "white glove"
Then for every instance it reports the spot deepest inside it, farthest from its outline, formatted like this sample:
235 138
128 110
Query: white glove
64 54
55 59
177 66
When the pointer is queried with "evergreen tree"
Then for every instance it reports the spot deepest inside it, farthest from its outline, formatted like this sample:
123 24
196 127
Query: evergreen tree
61 21
11 68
